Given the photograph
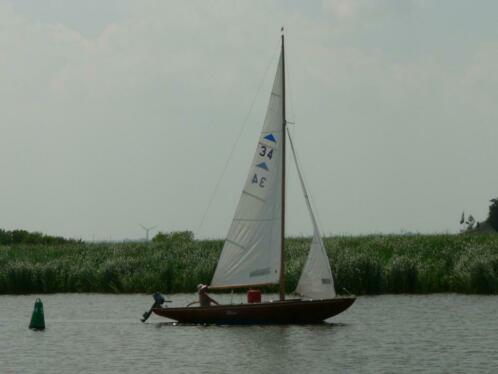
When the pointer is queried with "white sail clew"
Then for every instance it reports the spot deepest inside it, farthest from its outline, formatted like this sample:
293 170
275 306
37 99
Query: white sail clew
316 281
251 253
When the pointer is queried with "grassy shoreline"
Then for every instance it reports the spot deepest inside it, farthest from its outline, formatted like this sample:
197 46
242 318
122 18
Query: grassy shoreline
373 264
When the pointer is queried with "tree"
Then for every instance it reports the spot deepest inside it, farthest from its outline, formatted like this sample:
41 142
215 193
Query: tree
493 214
19 236
160 237
5 237
175 237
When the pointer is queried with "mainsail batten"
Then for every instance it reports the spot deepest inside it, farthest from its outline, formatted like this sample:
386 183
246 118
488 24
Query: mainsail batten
251 253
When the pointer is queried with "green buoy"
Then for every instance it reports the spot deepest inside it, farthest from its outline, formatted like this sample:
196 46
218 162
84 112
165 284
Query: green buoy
37 318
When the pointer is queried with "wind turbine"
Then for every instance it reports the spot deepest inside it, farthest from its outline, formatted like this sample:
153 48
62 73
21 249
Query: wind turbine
147 229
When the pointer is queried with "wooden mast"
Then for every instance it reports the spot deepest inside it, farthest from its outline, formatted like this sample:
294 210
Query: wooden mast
284 123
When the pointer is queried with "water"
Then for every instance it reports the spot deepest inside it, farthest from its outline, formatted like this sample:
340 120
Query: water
93 333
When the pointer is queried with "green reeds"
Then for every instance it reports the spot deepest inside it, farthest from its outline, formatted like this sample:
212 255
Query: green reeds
362 265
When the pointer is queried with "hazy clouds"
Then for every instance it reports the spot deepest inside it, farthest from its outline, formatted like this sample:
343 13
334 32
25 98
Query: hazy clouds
115 113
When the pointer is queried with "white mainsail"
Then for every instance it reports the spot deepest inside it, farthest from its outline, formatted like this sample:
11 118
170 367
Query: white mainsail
251 253
316 281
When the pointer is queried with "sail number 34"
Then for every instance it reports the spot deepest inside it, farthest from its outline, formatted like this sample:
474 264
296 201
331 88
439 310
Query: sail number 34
265 152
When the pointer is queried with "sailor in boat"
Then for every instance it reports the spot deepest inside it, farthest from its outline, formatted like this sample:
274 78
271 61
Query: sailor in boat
204 298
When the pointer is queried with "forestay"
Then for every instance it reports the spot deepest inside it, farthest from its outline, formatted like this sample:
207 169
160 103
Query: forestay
316 281
251 253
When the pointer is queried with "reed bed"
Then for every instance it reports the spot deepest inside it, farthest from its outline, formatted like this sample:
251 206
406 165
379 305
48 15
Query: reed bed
362 265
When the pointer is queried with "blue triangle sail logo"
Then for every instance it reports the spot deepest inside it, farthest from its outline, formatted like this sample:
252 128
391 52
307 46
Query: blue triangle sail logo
271 138
262 166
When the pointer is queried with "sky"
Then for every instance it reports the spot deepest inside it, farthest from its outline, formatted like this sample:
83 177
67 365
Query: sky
123 112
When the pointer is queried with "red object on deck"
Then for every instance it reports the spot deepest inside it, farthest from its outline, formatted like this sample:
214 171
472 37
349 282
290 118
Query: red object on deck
253 296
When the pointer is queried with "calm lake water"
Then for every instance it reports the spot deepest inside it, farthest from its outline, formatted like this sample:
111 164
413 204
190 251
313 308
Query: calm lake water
93 333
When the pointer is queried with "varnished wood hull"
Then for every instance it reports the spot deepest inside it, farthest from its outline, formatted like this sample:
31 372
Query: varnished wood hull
277 312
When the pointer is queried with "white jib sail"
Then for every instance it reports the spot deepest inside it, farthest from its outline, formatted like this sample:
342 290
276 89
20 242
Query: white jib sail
251 253
316 281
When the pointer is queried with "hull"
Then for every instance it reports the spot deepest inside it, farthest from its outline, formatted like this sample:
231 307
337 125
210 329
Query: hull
277 312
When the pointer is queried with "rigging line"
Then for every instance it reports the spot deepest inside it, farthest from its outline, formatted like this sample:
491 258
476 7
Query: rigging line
288 173
290 94
290 106
313 206
296 158
234 146
295 127
306 190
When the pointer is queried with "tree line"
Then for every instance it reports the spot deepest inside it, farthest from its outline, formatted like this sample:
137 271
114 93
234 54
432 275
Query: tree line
25 237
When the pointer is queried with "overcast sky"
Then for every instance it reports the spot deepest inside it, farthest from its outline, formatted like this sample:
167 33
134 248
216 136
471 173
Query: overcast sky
118 113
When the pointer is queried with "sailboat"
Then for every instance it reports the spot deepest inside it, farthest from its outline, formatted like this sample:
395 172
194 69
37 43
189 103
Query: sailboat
253 252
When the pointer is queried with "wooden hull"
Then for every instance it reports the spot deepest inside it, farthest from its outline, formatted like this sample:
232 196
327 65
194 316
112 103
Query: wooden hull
277 312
